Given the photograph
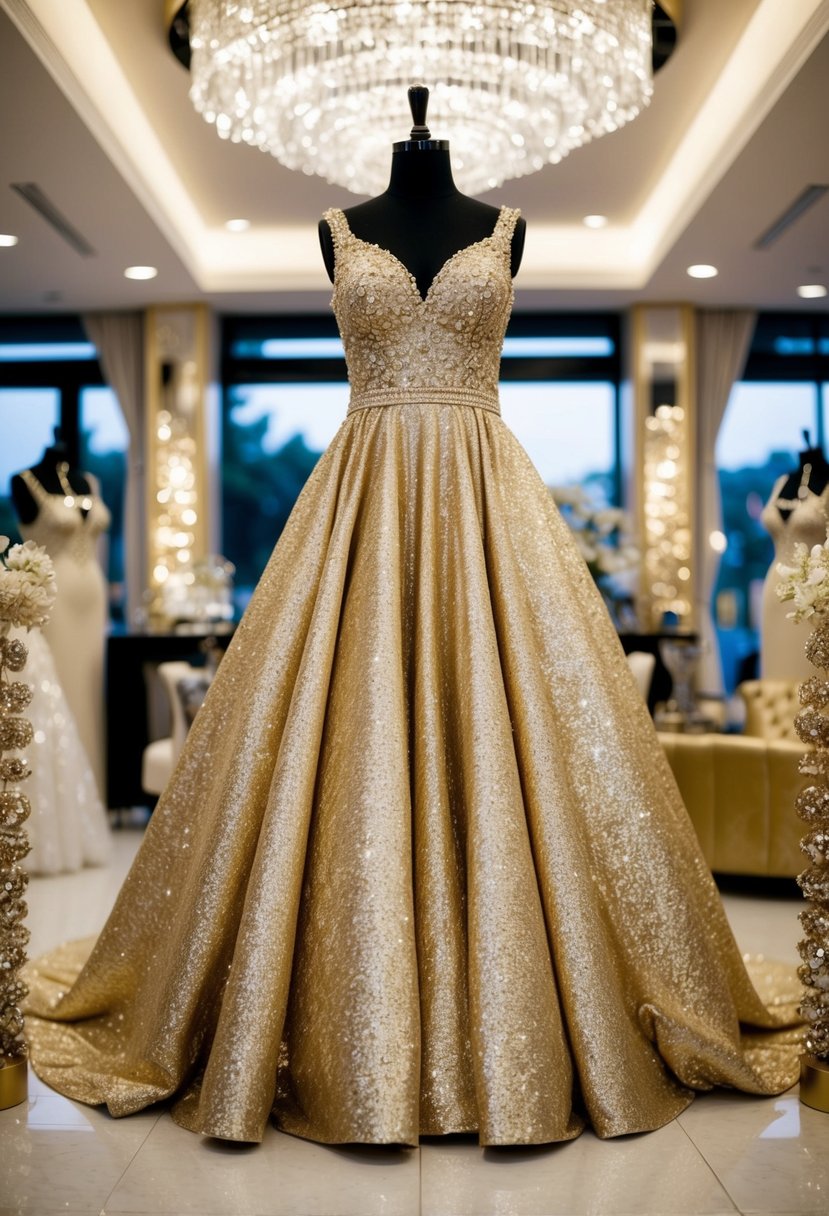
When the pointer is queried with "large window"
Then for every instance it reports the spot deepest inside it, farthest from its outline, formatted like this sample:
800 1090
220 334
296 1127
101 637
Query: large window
272 436
782 399
28 417
104 440
50 377
286 393
568 429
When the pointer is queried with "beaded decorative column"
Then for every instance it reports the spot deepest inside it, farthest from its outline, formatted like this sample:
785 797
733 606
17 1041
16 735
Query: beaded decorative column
15 734
812 725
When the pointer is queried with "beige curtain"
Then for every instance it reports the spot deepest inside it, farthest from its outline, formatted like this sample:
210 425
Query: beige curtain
723 340
119 340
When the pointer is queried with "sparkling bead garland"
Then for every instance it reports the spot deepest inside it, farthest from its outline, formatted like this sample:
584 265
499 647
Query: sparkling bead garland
515 86
15 732
812 806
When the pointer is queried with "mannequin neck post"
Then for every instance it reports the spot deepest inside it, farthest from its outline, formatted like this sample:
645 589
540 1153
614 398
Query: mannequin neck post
421 170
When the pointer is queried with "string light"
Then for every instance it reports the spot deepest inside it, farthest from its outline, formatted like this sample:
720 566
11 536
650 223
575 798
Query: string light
667 529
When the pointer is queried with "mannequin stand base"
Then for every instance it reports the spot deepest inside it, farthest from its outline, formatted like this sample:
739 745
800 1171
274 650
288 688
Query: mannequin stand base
14 1082
814 1083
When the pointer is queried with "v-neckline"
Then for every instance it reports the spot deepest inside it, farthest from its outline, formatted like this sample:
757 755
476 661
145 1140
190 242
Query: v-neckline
485 240
83 514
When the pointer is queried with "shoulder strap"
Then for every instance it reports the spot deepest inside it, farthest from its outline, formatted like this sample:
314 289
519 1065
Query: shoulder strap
35 488
505 227
340 231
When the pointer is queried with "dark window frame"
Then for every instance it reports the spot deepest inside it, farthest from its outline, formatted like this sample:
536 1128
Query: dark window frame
767 365
237 371
68 377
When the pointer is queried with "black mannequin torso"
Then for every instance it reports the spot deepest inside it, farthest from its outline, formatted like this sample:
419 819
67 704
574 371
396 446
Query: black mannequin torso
52 470
812 474
422 218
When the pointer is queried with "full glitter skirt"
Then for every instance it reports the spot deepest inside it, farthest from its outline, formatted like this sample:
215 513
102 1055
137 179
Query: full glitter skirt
422 867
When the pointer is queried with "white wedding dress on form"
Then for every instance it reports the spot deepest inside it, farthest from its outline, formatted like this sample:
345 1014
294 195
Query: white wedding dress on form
77 625
68 825
782 643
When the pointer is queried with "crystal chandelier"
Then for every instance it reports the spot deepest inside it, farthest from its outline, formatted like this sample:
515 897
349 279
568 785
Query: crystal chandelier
514 86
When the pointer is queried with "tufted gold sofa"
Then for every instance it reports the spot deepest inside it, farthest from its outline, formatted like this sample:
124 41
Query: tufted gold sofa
740 789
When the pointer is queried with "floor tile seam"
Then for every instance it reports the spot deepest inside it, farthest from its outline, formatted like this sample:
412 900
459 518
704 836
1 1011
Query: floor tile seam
97 1210
129 1164
735 1206
420 1157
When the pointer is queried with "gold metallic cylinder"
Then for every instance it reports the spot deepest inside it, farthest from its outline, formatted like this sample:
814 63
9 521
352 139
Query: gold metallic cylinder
14 1083
814 1083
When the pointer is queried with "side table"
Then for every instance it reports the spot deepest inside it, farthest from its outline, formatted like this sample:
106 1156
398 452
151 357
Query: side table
128 657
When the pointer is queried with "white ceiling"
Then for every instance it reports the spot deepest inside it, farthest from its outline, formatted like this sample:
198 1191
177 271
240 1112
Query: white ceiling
95 111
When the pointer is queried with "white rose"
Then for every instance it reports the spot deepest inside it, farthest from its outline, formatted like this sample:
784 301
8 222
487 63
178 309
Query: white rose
27 596
31 558
609 519
611 561
569 496
587 549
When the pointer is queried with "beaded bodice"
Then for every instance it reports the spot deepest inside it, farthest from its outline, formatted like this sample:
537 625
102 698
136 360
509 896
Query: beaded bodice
400 346
805 520
65 529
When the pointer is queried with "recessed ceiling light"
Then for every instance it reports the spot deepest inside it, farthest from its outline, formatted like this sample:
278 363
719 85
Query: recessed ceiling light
594 221
702 271
237 225
811 291
140 272
7 239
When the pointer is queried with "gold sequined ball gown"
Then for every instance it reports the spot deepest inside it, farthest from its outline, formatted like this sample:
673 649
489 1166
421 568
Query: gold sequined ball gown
421 867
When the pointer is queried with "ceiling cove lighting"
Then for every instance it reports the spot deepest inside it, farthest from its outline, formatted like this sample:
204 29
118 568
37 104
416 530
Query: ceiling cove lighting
140 272
514 86
702 271
7 240
811 291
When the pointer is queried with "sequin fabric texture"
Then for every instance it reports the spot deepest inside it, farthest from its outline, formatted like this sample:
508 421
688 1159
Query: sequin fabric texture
422 867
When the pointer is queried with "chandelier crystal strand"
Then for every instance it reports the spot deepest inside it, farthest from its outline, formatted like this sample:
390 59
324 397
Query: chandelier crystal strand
514 86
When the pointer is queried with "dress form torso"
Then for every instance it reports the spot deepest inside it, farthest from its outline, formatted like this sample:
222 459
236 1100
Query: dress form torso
789 519
70 534
422 219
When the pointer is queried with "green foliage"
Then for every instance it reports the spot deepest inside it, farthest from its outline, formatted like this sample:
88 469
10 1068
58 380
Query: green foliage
259 490
750 549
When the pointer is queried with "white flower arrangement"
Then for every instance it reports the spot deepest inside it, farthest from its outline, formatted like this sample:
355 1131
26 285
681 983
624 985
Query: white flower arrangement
806 583
27 585
603 534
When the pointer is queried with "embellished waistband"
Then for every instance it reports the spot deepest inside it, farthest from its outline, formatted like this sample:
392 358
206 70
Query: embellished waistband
424 396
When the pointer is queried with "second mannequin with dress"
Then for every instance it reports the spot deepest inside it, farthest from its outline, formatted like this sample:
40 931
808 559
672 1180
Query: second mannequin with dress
797 512
60 507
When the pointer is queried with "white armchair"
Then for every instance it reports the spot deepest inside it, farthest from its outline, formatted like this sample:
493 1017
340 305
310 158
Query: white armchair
160 756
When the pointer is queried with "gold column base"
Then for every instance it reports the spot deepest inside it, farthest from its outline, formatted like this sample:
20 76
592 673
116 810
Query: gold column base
14 1082
814 1083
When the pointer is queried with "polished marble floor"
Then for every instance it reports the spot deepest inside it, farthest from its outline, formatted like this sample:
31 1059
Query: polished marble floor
727 1153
